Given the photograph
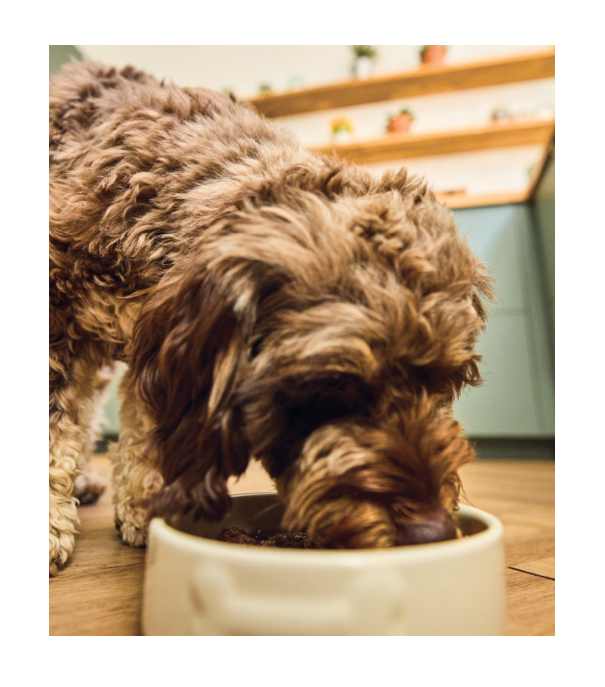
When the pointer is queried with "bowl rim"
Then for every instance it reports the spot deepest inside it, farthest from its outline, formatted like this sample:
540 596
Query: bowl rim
419 553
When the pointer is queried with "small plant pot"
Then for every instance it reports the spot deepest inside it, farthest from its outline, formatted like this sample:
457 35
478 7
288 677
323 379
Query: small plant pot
433 54
501 115
341 137
400 124
264 90
362 68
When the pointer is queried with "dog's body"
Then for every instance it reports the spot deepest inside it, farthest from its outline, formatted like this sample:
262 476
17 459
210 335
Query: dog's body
270 303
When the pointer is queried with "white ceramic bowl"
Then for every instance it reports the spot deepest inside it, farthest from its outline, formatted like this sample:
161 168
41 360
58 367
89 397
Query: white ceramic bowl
196 586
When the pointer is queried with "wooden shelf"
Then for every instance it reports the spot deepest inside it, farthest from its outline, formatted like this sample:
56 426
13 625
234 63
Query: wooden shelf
422 81
405 146
462 200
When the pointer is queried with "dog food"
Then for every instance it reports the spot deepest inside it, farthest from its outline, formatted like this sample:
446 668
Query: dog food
270 538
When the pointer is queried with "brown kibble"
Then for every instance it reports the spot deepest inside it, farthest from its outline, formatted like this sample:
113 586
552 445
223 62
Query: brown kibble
234 535
270 538
291 540
262 535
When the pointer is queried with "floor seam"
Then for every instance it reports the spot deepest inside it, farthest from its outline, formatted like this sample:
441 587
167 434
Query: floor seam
546 577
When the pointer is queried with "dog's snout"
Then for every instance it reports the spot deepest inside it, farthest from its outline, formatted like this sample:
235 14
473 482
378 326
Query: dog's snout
436 526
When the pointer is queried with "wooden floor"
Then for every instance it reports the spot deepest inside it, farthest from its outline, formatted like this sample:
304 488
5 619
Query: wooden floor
100 591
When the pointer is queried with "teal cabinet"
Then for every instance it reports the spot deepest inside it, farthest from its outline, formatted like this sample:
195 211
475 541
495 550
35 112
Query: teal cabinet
506 404
517 399
58 55
543 213
493 234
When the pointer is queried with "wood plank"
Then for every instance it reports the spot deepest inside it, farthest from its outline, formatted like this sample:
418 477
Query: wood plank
98 546
517 481
530 605
524 542
521 494
99 603
545 567
463 200
404 146
425 80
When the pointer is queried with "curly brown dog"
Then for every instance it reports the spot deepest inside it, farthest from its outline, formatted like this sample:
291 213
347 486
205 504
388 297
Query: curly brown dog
270 303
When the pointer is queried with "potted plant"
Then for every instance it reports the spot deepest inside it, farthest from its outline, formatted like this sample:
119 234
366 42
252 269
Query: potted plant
433 54
265 89
500 115
401 122
342 128
363 63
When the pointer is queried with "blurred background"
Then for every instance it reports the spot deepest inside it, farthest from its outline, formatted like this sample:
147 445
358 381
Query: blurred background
478 123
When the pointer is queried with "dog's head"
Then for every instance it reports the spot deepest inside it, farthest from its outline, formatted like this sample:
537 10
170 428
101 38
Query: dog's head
323 324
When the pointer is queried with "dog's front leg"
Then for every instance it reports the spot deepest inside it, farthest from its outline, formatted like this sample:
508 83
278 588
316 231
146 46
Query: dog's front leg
134 479
72 399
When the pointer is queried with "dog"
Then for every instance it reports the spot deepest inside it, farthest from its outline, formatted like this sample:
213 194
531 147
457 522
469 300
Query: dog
270 303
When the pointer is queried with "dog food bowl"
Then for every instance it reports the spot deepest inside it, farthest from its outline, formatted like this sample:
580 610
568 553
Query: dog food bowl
196 586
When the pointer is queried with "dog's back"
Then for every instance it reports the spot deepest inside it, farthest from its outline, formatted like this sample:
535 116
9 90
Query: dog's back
139 167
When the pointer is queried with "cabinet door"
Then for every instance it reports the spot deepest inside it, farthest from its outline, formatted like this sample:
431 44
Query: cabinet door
517 398
505 405
493 234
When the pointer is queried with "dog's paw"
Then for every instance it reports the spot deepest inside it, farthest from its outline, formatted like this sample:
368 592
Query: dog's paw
88 488
60 548
131 525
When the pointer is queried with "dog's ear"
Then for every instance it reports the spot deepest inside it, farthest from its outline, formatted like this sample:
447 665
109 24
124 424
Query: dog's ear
189 345
483 291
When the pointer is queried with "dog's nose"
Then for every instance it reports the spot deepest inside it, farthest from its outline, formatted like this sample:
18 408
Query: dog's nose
434 527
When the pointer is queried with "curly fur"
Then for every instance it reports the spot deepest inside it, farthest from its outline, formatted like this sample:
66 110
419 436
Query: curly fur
270 302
